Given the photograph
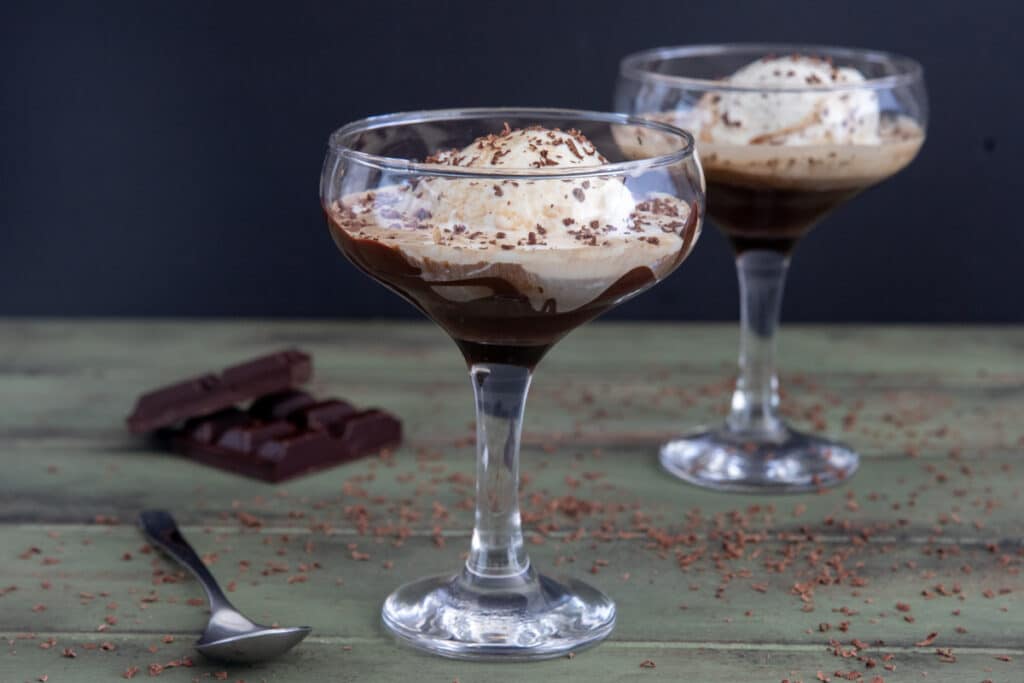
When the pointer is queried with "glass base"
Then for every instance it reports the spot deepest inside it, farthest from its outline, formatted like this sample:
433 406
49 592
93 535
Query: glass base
790 463
522 617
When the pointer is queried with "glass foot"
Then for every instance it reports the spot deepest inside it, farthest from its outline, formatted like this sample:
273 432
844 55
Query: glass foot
729 461
522 617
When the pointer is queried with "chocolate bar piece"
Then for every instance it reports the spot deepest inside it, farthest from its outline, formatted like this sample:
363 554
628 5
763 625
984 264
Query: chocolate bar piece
273 443
210 393
284 431
280 405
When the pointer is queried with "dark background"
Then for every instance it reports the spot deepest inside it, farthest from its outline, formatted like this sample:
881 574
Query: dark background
163 158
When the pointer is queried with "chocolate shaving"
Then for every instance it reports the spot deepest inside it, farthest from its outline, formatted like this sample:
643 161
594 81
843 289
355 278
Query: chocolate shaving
572 148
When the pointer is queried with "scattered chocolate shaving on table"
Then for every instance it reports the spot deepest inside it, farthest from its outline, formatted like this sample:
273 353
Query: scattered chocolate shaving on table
827 552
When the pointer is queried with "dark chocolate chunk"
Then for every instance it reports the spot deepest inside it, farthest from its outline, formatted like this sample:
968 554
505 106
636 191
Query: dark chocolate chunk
369 430
209 393
151 409
323 415
280 405
269 373
281 450
248 438
284 433
304 446
208 429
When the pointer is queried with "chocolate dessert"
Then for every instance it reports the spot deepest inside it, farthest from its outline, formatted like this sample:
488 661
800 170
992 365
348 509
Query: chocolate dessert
509 266
777 160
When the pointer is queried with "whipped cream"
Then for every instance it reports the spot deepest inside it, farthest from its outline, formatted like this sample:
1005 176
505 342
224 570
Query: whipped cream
807 138
554 211
816 115
560 240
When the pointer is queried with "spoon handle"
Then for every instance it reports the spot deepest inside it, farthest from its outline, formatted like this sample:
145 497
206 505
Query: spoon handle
162 531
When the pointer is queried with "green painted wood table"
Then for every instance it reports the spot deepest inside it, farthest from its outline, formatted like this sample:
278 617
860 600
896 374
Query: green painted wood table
908 572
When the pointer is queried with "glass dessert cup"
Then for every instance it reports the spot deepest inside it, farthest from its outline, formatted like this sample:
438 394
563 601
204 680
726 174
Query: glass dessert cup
508 245
786 134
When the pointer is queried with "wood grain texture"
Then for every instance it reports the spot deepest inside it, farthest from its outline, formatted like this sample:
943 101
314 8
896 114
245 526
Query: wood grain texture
326 659
933 521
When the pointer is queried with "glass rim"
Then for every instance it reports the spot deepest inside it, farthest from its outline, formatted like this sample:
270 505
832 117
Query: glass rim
337 139
635 64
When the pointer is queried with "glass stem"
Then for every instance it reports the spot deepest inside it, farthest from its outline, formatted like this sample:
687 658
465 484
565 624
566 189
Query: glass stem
497 550
762 276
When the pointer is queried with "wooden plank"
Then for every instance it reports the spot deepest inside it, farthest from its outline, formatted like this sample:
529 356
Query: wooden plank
75 485
675 377
378 660
83 347
315 579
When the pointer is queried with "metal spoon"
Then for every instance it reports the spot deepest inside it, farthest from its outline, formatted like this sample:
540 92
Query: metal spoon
229 636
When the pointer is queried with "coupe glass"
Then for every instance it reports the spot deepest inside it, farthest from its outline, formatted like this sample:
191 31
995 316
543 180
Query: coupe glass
505 300
764 194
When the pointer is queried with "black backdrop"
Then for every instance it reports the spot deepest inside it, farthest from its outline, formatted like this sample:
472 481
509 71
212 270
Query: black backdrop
163 158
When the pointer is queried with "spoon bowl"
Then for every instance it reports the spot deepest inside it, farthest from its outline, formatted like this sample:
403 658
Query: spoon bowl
229 636
251 646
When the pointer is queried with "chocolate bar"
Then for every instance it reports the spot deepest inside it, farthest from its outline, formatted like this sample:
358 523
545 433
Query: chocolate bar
209 393
283 432
274 440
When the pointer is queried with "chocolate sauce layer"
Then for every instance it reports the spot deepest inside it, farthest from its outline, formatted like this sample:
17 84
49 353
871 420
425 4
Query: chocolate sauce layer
488 303
768 196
